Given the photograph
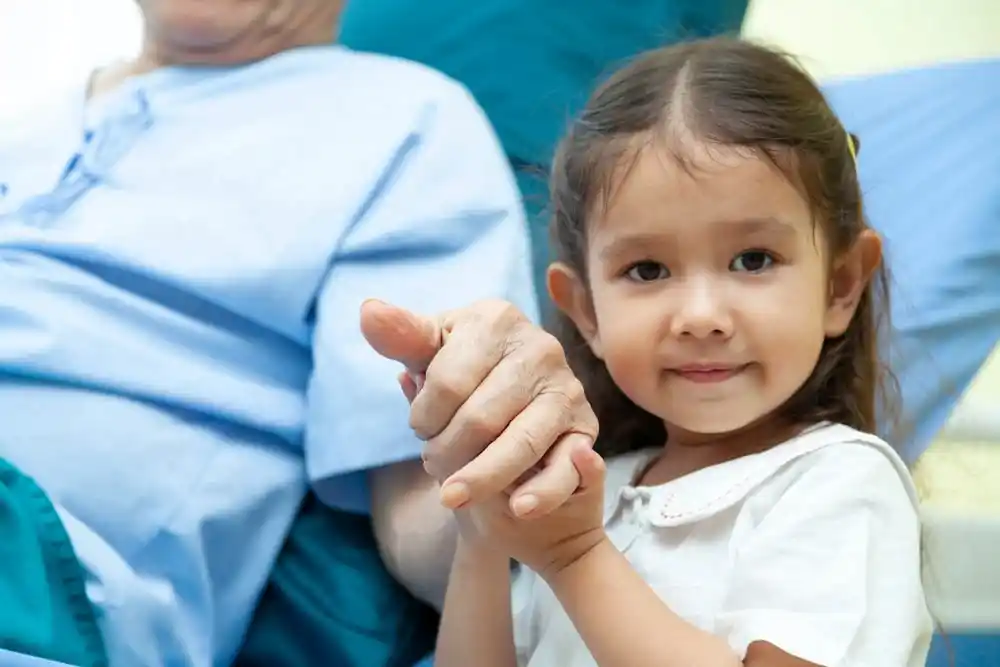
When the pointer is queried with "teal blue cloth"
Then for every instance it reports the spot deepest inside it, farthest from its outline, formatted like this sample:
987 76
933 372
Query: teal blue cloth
531 64
44 610
331 601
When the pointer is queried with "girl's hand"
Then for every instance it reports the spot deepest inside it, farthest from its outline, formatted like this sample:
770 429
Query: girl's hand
499 401
549 543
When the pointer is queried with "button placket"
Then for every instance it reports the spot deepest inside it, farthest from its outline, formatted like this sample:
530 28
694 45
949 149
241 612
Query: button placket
632 518
101 149
4 191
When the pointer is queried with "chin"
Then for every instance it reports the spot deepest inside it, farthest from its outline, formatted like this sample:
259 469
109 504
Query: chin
715 421
709 427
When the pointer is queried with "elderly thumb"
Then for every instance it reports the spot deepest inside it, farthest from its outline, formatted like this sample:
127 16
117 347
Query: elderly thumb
398 334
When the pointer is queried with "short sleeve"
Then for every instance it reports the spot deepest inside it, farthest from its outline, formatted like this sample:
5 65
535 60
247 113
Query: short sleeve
832 573
443 229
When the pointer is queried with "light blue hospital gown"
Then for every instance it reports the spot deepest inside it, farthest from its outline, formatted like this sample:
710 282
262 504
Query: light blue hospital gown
181 265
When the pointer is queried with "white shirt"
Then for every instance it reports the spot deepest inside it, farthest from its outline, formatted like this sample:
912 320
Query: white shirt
813 546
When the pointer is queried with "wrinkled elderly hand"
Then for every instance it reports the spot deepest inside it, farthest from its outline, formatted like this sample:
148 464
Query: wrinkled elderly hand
494 399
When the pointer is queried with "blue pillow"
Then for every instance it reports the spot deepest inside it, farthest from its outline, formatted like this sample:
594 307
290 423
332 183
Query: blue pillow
930 170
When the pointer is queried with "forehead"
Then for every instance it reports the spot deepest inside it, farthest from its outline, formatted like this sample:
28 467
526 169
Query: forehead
709 189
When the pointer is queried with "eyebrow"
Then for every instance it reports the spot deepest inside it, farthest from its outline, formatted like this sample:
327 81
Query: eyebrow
752 226
740 228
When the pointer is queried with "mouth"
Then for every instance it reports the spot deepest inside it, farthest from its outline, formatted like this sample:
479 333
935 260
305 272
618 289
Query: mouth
708 373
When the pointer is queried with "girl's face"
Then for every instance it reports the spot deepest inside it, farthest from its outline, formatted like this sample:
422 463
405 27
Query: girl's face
712 290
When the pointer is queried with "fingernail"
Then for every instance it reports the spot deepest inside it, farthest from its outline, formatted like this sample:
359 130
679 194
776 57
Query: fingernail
418 380
523 505
454 495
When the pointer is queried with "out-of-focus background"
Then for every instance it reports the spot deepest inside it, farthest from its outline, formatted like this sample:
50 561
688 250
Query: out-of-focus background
49 45
850 37
46 44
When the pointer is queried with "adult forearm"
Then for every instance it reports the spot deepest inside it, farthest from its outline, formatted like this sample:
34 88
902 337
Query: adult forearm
623 621
476 627
415 534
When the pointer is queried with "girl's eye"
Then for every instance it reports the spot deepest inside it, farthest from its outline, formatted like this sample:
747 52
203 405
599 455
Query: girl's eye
646 272
752 261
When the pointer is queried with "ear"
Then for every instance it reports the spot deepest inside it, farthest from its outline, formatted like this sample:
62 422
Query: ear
570 296
849 278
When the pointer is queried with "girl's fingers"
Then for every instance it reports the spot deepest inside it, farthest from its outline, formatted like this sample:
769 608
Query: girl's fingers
590 466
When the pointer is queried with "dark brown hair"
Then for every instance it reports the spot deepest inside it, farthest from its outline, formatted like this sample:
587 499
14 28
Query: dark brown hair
725 92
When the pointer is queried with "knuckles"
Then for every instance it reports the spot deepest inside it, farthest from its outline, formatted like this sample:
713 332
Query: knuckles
446 386
534 361
482 427
569 398
500 314
548 349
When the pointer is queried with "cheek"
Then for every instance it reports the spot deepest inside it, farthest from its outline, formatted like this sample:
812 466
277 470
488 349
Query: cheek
623 318
793 352
629 331
787 329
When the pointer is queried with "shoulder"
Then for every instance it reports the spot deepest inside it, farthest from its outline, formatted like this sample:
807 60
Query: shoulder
840 461
328 98
407 73
830 541
838 482
828 463
382 88
395 109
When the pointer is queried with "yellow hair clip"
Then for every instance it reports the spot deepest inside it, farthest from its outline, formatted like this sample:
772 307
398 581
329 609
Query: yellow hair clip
852 148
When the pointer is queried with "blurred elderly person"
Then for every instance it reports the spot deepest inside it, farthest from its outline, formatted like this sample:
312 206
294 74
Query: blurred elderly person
186 243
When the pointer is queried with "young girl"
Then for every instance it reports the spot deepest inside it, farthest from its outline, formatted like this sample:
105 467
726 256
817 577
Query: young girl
723 295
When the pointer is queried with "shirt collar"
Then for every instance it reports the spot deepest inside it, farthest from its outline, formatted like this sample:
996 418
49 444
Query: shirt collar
711 490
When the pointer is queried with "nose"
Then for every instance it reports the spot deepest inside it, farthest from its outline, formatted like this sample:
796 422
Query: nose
703 311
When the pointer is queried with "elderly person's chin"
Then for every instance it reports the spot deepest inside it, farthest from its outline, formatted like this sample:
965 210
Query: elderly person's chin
232 32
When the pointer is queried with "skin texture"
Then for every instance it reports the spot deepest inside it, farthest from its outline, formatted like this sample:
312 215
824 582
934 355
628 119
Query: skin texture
497 401
232 32
222 33
502 415
695 268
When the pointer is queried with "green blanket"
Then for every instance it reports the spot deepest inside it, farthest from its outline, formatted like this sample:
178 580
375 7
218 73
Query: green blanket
44 610
331 601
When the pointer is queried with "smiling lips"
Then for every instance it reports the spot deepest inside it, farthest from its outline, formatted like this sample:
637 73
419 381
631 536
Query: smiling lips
707 373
